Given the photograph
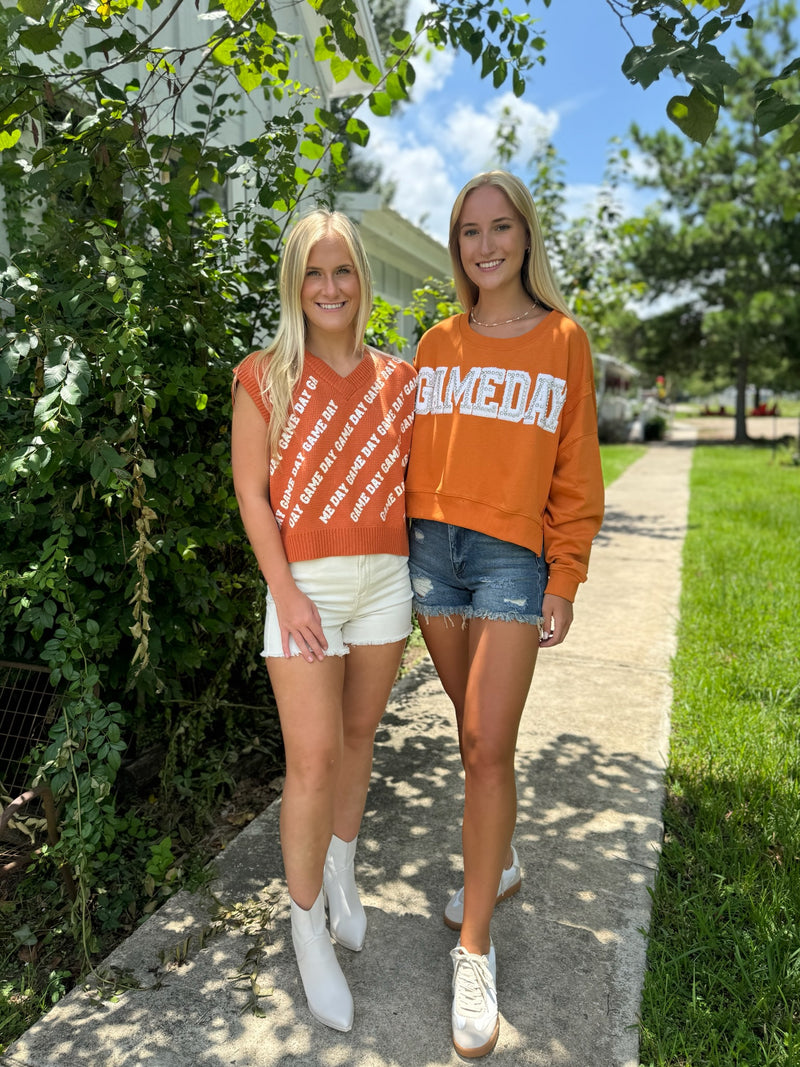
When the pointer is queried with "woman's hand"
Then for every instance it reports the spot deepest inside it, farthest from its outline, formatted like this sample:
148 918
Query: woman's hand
557 620
298 618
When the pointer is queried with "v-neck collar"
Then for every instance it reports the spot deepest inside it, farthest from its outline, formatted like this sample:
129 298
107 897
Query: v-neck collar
344 384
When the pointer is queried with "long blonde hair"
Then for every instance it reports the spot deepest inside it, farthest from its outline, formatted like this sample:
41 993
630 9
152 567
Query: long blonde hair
536 274
279 366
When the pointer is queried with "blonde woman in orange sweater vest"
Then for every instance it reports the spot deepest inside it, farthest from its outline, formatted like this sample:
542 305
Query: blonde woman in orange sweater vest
505 491
320 438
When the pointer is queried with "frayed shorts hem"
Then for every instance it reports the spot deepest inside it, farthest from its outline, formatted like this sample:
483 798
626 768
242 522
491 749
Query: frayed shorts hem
471 613
343 650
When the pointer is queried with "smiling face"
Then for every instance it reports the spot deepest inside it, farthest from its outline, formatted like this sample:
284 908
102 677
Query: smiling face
492 239
331 291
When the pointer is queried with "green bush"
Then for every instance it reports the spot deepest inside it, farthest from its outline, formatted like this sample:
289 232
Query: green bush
655 428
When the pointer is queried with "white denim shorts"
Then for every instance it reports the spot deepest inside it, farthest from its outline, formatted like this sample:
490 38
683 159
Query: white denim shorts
362 600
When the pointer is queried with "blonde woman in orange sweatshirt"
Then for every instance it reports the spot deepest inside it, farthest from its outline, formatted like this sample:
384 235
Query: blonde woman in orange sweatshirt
505 493
320 438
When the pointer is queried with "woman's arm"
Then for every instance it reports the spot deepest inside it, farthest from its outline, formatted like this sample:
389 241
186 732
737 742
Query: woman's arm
297 614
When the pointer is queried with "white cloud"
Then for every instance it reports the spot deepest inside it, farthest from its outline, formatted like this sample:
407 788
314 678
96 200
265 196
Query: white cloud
472 132
424 193
640 165
432 69
429 155
414 9
579 200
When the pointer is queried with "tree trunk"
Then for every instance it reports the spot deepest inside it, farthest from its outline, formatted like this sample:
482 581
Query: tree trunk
742 362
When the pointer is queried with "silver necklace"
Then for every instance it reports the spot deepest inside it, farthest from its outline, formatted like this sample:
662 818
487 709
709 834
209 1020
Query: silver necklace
505 322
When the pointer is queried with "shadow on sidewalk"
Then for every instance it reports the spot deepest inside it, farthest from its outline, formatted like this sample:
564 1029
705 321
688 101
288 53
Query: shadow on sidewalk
588 820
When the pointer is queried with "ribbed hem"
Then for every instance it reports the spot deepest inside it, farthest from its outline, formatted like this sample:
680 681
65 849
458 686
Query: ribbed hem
369 541
475 515
561 584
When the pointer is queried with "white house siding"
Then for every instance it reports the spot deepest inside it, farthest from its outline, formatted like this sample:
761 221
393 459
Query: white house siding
401 255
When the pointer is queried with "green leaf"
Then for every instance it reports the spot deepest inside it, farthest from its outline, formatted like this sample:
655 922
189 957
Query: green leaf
8 138
471 41
340 68
40 39
380 104
344 32
70 393
32 8
303 177
9 362
224 52
44 407
249 77
694 114
55 367
237 9
640 67
789 147
79 376
395 87
489 60
774 111
312 150
401 40
322 50
707 70
357 131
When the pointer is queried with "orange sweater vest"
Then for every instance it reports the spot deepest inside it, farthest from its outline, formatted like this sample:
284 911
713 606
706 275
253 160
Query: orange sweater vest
337 488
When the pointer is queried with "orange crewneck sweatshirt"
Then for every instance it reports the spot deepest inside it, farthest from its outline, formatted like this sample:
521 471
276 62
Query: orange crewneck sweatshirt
337 488
505 440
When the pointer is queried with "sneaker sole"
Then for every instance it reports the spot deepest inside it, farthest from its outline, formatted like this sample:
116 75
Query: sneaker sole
515 888
484 1050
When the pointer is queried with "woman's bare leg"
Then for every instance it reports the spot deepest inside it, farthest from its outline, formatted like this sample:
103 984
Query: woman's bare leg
486 669
309 698
370 672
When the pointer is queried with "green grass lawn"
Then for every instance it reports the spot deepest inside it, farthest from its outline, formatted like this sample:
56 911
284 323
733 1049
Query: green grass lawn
723 982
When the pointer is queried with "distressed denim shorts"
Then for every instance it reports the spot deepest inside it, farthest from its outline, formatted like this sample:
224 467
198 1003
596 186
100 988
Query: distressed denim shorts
455 571
361 600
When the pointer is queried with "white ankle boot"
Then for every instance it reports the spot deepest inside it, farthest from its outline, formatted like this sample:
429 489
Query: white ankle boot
327 992
345 911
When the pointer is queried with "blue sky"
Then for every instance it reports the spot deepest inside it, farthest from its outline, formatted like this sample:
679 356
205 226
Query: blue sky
579 100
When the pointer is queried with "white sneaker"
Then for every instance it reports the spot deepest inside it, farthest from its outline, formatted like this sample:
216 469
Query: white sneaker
510 881
475 1020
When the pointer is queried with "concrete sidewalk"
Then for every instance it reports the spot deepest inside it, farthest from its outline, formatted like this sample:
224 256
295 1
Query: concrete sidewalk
570 950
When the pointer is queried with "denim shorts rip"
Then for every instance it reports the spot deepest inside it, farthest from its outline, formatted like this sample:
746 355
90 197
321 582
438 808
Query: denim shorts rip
455 571
362 600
